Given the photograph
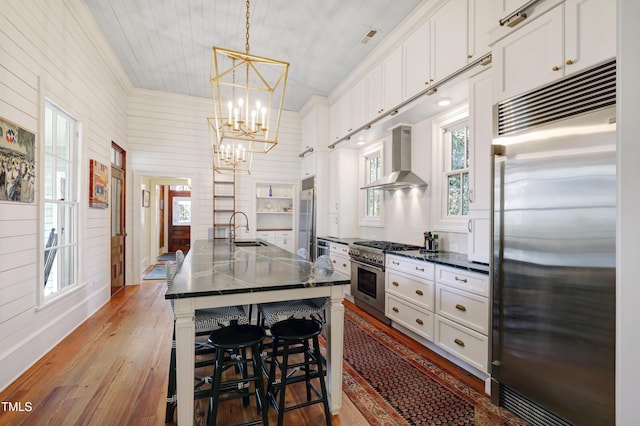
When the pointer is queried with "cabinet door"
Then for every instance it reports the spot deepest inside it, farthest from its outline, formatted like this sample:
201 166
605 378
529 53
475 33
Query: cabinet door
529 57
309 131
392 79
504 7
339 119
590 33
481 135
374 92
478 238
357 106
308 166
417 64
449 38
481 20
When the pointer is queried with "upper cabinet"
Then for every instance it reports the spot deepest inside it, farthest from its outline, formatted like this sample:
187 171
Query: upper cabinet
392 80
482 20
417 60
449 38
557 43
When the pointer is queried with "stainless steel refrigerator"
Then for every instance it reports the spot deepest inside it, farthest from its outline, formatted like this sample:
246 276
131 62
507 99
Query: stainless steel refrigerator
307 219
553 271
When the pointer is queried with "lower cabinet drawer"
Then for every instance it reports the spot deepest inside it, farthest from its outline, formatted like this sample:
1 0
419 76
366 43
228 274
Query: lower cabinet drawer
466 344
467 309
416 290
415 319
341 264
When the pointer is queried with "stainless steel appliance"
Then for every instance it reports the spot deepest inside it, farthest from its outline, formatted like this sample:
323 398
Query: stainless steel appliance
367 274
553 316
322 247
307 219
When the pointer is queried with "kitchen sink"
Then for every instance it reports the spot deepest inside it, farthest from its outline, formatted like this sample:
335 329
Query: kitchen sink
249 243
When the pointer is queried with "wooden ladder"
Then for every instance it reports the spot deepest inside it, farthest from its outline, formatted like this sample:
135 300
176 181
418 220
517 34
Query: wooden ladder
224 204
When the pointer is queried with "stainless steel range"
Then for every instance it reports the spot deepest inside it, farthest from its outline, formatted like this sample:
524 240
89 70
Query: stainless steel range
367 274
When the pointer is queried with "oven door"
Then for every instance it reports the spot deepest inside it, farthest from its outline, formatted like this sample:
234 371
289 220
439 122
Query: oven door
322 248
367 284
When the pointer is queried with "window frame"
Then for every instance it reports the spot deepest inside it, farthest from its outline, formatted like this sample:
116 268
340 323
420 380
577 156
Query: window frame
439 157
73 201
375 150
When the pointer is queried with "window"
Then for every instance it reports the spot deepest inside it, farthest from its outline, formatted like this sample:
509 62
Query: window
60 206
181 215
456 170
371 169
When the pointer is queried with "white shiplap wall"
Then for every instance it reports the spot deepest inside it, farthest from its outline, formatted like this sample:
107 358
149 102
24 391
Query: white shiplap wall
54 49
168 137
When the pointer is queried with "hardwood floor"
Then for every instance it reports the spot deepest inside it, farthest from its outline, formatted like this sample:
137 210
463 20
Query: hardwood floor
113 370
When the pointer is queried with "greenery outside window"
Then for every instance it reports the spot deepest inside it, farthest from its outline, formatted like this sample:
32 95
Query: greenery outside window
60 185
456 173
371 167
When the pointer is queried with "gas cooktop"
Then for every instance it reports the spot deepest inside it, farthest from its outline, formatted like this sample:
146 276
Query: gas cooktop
385 246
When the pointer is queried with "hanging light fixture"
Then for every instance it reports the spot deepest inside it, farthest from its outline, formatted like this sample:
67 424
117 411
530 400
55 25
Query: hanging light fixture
246 89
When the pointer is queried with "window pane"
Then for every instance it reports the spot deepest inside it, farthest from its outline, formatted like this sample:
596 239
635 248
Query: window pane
373 202
62 181
48 130
459 154
65 257
65 220
116 196
465 194
454 195
50 220
62 138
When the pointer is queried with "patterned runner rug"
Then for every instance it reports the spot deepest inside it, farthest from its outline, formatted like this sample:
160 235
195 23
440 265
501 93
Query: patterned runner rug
392 385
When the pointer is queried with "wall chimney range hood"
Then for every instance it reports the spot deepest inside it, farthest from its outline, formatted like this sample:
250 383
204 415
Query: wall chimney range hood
401 175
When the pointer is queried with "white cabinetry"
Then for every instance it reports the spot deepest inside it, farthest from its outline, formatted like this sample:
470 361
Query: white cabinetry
274 214
482 20
339 119
417 65
462 314
343 192
480 129
557 43
392 80
339 255
409 294
449 38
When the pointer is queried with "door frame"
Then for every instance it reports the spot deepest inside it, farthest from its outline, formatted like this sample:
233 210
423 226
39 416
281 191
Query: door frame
120 170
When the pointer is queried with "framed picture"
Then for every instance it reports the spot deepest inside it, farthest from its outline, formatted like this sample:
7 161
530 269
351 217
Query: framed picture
98 180
145 198
17 163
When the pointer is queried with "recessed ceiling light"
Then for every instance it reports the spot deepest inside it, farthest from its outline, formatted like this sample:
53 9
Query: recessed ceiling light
361 142
444 102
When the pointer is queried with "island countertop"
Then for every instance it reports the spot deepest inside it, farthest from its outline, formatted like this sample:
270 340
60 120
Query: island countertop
218 268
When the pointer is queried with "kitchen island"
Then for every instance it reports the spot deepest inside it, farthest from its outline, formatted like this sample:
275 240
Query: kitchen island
217 274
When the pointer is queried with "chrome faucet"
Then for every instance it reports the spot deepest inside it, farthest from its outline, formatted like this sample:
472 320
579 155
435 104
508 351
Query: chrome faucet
232 230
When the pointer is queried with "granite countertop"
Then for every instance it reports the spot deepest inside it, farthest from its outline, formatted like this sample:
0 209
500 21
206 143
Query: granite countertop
218 267
456 260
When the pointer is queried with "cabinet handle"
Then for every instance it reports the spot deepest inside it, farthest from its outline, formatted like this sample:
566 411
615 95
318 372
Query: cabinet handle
555 68
569 62
395 283
426 82
471 195
396 310
344 265
419 321
419 269
459 342
464 280
469 226
333 261
461 307
395 263
469 56
419 293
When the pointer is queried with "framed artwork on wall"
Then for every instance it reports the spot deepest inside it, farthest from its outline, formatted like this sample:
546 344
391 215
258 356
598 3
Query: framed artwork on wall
145 198
17 163
98 181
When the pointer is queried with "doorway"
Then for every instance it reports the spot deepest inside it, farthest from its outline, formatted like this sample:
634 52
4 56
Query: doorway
118 234
179 221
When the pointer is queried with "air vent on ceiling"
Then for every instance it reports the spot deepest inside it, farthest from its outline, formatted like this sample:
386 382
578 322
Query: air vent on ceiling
371 33
585 91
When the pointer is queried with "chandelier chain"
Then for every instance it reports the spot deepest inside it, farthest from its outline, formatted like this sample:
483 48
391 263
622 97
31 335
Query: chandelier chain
246 46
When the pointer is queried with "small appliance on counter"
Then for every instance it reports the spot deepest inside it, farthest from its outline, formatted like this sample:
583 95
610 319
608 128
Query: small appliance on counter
430 243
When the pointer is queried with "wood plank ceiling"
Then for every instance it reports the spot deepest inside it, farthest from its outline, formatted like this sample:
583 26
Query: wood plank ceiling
166 45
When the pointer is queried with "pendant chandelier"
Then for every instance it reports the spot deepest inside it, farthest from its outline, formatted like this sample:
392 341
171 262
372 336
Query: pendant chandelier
248 92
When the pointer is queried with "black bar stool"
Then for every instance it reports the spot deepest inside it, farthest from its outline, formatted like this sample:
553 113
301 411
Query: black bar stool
291 337
237 338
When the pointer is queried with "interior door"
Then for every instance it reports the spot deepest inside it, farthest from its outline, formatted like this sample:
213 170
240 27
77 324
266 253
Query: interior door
118 234
179 220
